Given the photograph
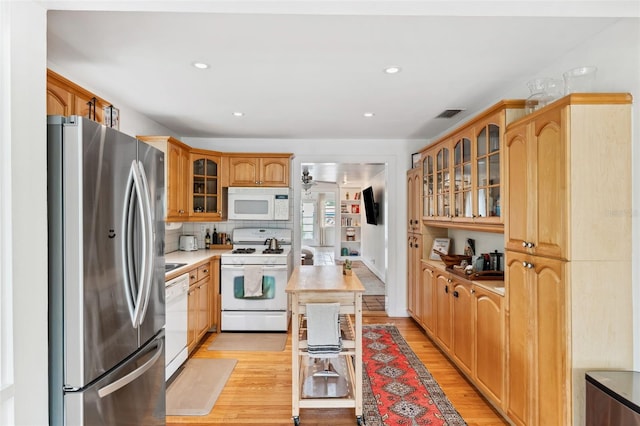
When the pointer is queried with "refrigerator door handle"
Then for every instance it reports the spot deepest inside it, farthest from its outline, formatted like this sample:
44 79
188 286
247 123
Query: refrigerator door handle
134 285
145 194
122 382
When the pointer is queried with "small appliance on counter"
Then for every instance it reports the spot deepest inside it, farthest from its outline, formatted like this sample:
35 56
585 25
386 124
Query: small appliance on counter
188 243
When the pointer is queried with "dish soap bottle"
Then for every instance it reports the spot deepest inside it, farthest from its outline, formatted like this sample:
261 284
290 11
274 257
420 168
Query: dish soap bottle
207 240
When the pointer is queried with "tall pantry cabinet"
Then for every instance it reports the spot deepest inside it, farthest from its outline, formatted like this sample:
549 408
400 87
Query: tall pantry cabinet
568 253
414 243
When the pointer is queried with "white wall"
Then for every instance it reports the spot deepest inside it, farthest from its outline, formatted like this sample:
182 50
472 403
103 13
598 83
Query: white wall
394 153
26 257
375 237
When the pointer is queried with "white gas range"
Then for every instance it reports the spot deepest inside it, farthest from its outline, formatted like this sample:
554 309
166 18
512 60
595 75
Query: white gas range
253 279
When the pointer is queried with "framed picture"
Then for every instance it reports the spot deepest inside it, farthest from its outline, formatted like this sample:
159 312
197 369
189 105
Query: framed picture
415 159
111 117
440 244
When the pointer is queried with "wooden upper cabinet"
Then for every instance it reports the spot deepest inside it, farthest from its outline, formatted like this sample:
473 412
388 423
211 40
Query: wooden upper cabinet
59 100
488 181
537 197
64 97
443 184
414 198
462 178
463 172
176 175
205 200
428 185
258 169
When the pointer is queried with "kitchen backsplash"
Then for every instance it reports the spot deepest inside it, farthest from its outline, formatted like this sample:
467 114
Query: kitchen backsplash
198 229
486 242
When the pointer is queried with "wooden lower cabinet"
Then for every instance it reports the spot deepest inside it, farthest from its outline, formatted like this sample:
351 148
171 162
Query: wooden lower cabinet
443 309
489 343
538 379
414 277
214 296
462 326
201 303
428 289
467 323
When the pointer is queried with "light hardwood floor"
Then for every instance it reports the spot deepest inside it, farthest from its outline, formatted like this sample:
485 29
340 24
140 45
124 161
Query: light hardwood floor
259 389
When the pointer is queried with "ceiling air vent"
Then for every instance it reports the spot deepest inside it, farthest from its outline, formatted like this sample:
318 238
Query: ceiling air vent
448 113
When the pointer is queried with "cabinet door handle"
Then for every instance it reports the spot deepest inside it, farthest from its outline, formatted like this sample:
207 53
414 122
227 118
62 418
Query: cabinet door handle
193 277
473 291
527 265
449 280
455 294
530 245
205 271
446 289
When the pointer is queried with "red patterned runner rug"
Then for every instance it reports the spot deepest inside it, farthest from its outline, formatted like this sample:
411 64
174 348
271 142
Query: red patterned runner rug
398 389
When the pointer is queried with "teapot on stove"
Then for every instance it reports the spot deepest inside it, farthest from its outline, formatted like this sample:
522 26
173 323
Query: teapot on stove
273 243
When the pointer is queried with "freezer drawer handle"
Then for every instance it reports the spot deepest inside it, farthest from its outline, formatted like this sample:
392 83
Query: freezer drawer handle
120 383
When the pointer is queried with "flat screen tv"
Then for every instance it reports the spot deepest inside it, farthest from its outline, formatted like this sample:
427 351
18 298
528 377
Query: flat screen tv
370 207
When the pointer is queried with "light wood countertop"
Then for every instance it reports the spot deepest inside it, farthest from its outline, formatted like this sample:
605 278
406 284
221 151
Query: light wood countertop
495 286
325 278
192 259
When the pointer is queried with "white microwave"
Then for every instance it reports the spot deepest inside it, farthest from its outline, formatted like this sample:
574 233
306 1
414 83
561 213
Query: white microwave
258 203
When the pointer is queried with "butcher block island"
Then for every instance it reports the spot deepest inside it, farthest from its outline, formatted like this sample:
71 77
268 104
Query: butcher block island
330 377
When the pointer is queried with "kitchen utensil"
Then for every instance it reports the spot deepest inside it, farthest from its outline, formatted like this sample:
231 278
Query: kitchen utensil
452 259
188 243
273 243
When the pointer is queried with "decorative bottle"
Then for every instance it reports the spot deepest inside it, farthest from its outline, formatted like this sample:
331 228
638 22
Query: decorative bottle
207 240
214 238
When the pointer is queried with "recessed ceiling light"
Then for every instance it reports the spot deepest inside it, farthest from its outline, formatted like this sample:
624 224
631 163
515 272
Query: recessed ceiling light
201 65
238 114
392 70
368 114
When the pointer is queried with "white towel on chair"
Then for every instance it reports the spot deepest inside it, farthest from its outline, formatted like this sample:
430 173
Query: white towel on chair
252 280
323 329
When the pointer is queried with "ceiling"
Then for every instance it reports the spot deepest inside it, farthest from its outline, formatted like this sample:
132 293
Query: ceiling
310 70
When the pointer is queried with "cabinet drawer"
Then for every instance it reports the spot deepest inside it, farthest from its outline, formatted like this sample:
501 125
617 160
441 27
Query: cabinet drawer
193 276
204 271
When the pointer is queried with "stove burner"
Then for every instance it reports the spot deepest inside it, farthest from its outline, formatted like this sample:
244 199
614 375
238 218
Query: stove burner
244 251
272 251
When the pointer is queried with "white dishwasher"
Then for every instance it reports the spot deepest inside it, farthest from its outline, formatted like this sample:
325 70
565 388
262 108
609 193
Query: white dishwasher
176 323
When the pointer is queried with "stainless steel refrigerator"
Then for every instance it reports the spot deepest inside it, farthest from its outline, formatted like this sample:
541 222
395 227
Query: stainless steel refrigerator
106 276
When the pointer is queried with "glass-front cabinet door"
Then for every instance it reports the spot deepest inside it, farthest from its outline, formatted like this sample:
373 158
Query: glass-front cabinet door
428 182
206 195
463 206
487 199
443 184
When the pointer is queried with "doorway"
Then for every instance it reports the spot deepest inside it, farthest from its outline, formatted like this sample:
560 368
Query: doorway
318 220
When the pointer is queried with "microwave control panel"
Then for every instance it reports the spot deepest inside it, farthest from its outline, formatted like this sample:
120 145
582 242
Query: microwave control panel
281 207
